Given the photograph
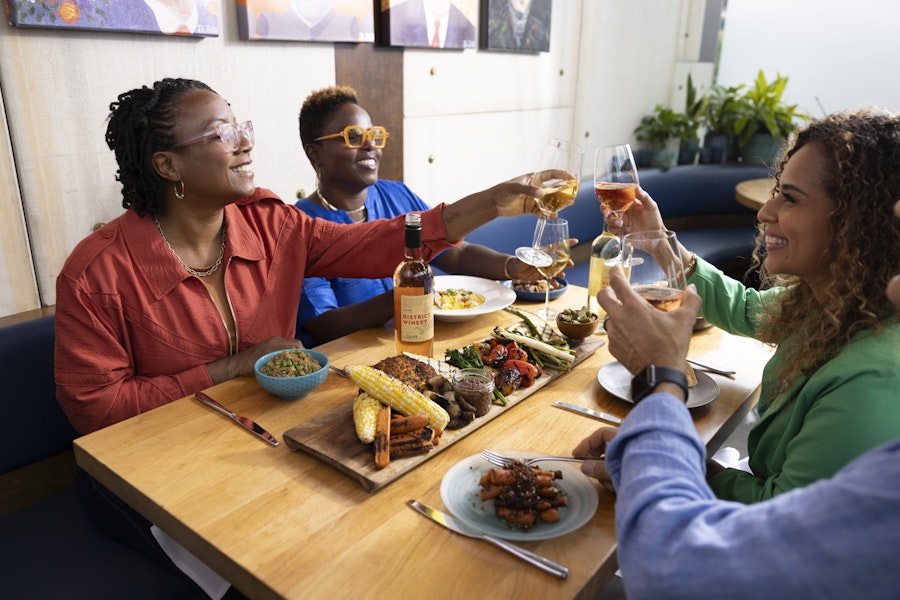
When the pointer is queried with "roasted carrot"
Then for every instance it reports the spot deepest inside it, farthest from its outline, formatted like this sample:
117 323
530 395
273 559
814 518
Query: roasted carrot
551 515
407 424
383 437
502 476
520 516
490 491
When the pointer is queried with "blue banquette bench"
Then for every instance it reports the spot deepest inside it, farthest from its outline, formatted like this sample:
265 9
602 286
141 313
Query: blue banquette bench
49 548
696 201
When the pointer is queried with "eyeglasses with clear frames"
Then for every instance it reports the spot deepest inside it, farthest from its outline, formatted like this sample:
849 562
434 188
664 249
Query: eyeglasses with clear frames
355 137
229 133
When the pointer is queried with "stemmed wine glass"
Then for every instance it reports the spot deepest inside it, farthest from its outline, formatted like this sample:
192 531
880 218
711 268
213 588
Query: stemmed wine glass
551 237
657 272
615 179
559 192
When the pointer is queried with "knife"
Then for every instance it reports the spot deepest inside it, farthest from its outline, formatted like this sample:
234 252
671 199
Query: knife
451 523
244 422
589 412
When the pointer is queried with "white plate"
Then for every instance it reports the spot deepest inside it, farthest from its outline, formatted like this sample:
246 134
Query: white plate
496 296
461 493
616 380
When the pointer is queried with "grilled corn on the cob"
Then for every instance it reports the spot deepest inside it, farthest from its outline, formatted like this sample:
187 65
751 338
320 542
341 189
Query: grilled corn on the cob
365 411
397 395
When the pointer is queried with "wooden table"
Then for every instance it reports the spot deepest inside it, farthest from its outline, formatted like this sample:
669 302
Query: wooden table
754 193
279 524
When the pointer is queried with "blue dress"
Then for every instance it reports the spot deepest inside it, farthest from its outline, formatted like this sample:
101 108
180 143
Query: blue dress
386 200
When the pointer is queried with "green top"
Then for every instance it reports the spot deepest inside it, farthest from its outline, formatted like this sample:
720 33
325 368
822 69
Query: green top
820 423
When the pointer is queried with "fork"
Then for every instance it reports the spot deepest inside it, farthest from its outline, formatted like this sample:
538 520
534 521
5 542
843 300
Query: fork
501 461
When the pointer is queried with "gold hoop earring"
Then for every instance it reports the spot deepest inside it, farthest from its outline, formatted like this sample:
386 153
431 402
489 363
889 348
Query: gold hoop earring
178 195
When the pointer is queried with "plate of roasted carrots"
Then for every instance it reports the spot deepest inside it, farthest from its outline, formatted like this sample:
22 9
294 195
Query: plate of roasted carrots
490 498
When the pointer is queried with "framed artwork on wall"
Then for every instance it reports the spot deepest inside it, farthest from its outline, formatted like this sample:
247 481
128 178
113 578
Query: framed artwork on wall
516 25
168 17
429 23
306 20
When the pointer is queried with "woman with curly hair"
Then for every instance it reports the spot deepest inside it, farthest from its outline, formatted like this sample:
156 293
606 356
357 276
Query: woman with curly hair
827 247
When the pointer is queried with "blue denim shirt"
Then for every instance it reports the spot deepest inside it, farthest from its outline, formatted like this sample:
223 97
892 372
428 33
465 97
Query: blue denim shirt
837 538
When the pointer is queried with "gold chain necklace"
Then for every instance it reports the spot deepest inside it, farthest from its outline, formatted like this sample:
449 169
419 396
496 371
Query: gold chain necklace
330 206
195 272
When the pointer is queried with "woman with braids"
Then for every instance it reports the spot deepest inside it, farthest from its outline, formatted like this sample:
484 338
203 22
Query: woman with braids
202 273
826 250
348 190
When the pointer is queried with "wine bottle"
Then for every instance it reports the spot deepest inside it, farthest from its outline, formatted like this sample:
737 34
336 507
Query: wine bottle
414 295
604 247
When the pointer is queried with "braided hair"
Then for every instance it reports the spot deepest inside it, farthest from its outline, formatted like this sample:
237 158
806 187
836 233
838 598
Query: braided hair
319 106
141 123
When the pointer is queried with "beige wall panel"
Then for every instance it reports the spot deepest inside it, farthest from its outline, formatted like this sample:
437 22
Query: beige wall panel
470 81
18 288
628 54
449 157
58 86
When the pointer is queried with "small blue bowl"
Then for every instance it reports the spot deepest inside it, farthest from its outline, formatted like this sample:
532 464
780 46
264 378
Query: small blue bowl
539 296
292 388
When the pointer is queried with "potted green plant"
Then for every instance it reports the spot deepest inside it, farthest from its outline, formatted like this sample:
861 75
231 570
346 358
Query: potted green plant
723 107
689 138
659 132
766 120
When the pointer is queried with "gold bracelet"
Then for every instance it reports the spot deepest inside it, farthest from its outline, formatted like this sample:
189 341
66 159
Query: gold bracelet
506 266
692 266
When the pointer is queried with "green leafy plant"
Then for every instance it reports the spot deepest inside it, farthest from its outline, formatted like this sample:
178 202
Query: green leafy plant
763 110
660 126
694 110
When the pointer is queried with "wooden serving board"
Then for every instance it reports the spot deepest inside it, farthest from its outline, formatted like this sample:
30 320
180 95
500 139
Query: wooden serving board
331 437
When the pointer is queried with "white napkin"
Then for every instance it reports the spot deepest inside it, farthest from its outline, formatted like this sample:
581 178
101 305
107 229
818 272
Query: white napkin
208 580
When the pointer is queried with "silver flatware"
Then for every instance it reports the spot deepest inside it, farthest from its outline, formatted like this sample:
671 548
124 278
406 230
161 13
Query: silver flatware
248 424
500 460
453 524
589 412
730 374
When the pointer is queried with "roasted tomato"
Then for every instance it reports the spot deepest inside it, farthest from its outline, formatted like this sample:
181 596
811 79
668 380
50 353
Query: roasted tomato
497 356
514 352
527 370
508 380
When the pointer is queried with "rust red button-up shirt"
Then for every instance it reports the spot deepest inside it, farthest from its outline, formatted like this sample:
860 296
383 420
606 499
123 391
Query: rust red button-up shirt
134 330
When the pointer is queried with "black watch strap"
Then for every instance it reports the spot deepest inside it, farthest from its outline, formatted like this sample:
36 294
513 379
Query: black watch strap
645 381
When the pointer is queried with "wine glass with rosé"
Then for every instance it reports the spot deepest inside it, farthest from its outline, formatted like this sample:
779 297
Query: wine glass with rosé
615 179
656 270
559 175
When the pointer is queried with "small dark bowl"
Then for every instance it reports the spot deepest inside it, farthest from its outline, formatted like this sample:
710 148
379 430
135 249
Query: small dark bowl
577 331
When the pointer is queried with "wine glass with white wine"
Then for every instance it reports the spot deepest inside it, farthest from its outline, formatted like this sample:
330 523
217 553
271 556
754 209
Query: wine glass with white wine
551 236
559 174
657 272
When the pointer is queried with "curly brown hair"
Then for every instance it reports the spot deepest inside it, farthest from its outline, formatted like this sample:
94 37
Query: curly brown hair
862 154
319 106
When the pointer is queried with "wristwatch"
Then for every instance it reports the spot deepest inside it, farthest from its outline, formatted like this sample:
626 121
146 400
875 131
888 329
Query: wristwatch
646 380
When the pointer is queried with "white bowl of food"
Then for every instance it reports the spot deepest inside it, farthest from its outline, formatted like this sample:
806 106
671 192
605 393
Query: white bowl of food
460 297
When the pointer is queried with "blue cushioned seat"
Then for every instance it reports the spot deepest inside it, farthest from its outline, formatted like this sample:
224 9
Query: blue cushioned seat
49 548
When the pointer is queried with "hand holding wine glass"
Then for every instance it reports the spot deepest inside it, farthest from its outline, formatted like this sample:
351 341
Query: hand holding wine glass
657 272
552 238
559 175
615 178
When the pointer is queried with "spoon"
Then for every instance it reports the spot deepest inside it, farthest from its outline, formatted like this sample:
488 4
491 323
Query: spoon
712 369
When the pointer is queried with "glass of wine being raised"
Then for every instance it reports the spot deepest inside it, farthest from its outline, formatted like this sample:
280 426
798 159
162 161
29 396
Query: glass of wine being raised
551 237
559 174
615 178
657 272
